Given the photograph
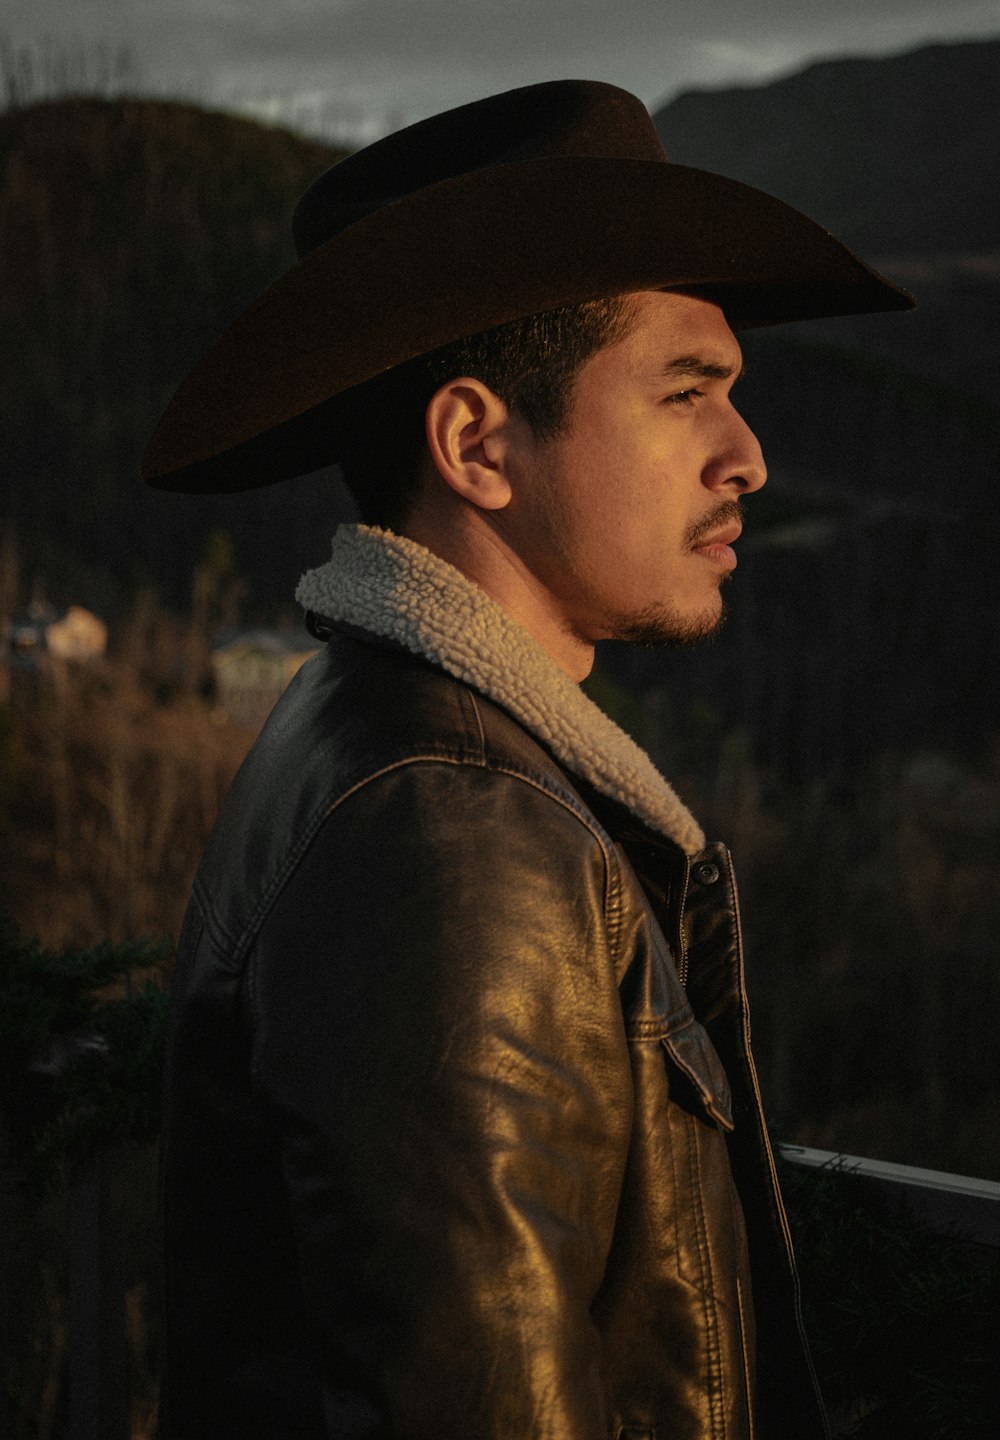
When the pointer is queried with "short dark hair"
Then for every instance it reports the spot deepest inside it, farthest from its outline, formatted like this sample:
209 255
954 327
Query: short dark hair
530 363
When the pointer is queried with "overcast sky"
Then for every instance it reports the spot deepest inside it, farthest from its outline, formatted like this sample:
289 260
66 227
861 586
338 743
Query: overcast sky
367 65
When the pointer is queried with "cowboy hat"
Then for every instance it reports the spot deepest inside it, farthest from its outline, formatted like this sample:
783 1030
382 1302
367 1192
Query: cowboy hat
522 202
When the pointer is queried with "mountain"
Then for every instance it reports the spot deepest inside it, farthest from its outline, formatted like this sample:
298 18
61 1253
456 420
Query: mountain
897 156
133 233
900 158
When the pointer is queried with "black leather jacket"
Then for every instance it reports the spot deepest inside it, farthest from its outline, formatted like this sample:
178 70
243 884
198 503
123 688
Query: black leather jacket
450 1148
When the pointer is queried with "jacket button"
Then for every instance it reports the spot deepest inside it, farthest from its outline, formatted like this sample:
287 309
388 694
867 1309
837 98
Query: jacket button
706 872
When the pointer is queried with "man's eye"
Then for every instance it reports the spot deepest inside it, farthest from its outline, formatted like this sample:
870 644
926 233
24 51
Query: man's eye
683 397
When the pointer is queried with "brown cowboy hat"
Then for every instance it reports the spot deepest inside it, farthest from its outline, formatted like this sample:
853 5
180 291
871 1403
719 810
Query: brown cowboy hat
518 203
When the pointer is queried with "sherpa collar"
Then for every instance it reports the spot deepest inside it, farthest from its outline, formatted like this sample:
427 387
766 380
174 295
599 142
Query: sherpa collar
393 587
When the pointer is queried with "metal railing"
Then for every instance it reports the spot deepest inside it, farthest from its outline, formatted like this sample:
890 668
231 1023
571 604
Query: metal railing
939 1200
97 1359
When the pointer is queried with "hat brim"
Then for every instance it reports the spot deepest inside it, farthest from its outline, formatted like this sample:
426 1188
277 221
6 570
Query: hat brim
473 252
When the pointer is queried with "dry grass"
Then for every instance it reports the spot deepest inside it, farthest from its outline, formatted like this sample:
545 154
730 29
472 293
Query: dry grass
112 783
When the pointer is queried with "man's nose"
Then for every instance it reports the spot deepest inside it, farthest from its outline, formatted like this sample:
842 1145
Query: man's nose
739 465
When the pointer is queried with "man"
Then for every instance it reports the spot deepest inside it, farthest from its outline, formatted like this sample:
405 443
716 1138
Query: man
463 1134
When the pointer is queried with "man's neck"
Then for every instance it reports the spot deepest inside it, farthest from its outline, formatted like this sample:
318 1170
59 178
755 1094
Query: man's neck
479 551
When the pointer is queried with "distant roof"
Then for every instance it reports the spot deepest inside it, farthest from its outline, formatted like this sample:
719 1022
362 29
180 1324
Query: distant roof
270 642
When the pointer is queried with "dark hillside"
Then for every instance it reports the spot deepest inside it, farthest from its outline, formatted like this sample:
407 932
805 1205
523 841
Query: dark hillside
900 157
843 734
897 156
133 232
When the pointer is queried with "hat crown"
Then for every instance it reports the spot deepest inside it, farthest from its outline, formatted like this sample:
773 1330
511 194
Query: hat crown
558 117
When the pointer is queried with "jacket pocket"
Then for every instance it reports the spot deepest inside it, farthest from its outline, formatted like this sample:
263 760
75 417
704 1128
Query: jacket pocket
695 1056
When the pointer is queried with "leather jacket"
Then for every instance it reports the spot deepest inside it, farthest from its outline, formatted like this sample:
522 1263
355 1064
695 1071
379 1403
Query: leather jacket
463 1137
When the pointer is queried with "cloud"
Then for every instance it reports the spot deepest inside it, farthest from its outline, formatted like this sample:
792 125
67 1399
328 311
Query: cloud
400 59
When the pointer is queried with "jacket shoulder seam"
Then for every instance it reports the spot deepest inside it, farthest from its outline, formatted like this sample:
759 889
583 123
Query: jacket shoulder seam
241 944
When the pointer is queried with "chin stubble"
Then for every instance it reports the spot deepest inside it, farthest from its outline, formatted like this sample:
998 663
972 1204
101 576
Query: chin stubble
663 624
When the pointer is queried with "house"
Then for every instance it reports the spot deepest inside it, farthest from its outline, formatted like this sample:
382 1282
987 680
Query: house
252 669
72 634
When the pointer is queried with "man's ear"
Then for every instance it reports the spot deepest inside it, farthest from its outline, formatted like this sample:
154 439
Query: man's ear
466 425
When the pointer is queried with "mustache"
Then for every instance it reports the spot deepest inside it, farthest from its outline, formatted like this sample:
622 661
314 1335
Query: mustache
708 524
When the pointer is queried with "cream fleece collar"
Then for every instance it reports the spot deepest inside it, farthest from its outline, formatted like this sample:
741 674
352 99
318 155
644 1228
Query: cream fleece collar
395 588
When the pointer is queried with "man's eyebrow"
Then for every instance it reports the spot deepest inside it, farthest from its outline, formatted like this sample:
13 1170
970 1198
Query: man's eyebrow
703 369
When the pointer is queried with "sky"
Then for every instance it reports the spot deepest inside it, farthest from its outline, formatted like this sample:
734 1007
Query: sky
361 67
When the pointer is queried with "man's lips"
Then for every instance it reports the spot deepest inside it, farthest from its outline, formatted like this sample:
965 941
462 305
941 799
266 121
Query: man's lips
717 545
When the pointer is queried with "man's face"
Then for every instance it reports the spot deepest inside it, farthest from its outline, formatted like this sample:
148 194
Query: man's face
625 518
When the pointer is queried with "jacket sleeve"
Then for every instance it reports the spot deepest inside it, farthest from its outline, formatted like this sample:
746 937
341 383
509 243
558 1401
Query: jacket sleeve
438 1035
